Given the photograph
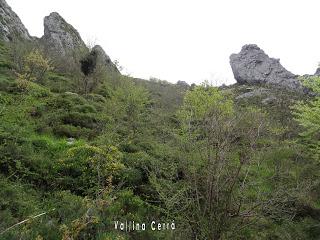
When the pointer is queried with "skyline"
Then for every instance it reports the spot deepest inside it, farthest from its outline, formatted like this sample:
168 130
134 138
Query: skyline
187 40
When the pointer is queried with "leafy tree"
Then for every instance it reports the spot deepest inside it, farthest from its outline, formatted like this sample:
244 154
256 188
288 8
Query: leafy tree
36 66
94 71
218 149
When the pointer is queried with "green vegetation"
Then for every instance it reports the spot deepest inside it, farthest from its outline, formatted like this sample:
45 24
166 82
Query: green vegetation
83 147
308 116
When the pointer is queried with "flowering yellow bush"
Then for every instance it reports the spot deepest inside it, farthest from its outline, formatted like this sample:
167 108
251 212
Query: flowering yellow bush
36 66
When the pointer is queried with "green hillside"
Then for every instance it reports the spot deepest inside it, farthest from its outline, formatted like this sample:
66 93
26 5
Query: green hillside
83 148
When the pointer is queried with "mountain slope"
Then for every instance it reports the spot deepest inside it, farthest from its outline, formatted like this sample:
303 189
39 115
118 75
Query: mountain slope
85 148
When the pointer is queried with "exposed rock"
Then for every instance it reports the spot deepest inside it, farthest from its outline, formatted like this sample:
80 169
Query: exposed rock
183 84
264 95
70 141
269 100
254 93
253 66
60 38
317 73
11 27
102 56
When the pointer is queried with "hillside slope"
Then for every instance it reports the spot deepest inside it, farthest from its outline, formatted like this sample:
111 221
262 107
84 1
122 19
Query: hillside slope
84 148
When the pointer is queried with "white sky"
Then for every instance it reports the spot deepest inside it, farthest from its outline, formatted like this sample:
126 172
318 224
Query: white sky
187 40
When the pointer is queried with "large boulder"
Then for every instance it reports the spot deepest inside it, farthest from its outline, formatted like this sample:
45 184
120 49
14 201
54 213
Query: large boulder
252 66
11 27
60 38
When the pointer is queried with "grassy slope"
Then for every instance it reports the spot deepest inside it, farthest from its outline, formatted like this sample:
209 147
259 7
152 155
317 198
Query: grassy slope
34 131
36 124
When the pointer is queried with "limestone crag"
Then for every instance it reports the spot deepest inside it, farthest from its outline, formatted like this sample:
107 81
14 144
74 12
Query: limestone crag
105 59
60 38
61 41
11 27
317 73
252 66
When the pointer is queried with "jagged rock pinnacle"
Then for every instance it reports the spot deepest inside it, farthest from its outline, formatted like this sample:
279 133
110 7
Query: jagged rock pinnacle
59 36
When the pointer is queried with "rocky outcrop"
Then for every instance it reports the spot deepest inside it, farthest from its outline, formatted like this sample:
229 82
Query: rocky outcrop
60 38
183 84
11 27
104 58
317 73
61 41
252 66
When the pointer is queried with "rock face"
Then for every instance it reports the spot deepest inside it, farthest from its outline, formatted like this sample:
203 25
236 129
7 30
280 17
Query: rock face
104 58
60 38
317 73
11 27
252 66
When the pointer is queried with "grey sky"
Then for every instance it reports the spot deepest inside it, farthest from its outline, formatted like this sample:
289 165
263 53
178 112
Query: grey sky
187 40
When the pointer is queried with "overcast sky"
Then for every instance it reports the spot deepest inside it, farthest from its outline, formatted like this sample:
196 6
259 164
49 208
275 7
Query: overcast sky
187 40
